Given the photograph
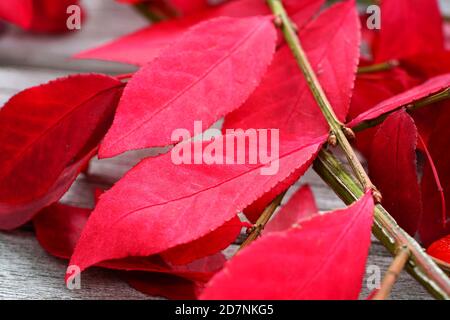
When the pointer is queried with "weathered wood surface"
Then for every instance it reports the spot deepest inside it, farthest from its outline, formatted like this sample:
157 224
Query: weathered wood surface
26 271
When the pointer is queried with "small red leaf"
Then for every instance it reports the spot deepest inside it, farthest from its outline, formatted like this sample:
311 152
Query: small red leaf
301 206
393 169
440 249
300 263
171 210
47 135
37 15
208 73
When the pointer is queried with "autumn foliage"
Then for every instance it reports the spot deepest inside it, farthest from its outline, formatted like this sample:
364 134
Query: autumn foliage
165 225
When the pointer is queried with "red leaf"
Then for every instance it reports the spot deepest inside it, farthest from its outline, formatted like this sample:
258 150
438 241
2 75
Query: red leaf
206 74
47 135
409 27
435 222
209 244
283 100
371 89
37 15
58 229
18 12
144 45
170 210
301 263
393 169
424 90
163 285
440 249
189 6
301 206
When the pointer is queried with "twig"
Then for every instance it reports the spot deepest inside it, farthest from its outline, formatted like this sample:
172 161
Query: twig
337 128
420 265
392 274
384 66
262 221
151 15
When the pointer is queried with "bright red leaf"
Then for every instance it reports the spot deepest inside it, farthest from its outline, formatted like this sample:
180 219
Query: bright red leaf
171 210
206 74
301 206
440 249
393 169
371 89
47 134
301 263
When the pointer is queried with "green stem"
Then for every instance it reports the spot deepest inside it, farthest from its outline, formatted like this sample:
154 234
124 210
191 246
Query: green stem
262 221
384 66
336 127
420 265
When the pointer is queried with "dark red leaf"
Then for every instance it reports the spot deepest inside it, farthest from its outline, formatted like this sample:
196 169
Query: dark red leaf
18 12
435 222
144 45
284 101
424 90
47 135
393 169
209 72
209 244
163 285
58 229
371 89
37 15
323 258
408 28
189 6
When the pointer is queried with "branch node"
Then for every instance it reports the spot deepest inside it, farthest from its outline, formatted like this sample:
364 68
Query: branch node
377 196
348 133
278 21
332 139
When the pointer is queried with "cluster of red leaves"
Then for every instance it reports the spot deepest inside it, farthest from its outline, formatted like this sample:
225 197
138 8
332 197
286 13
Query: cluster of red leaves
167 224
